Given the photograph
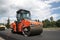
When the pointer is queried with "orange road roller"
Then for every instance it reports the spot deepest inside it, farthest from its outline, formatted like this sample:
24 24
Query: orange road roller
25 24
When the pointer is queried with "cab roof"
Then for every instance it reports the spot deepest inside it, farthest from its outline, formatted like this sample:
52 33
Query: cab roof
19 11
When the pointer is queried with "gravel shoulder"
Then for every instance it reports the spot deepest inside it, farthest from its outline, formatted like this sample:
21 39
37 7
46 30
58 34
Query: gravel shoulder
51 29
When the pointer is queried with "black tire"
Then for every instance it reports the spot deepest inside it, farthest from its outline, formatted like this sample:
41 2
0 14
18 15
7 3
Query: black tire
26 31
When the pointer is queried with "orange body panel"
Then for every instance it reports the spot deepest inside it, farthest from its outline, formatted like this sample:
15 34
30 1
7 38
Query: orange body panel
26 23
13 26
21 25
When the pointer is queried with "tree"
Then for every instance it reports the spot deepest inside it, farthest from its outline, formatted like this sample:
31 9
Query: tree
51 18
52 22
46 23
58 23
8 23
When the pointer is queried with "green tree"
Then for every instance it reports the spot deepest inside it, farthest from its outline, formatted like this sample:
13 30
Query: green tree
46 23
52 22
51 18
8 23
58 23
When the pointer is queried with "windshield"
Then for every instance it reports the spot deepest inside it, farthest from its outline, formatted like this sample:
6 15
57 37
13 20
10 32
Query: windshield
23 15
26 15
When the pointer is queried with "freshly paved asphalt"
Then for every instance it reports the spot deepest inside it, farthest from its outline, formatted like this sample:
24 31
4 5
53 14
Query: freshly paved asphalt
46 35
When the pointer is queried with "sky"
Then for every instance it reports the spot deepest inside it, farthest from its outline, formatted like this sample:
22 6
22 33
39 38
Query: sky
40 9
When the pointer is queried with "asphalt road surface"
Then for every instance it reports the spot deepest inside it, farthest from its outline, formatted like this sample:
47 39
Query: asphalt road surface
46 35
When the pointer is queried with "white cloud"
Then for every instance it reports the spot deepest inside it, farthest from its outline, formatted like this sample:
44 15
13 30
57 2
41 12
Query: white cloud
53 15
51 1
3 20
55 8
38 8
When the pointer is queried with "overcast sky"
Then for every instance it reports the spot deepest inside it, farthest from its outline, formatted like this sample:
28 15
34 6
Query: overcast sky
40 9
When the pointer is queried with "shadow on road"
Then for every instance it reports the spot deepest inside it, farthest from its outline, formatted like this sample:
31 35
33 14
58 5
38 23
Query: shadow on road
28 36
7 37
